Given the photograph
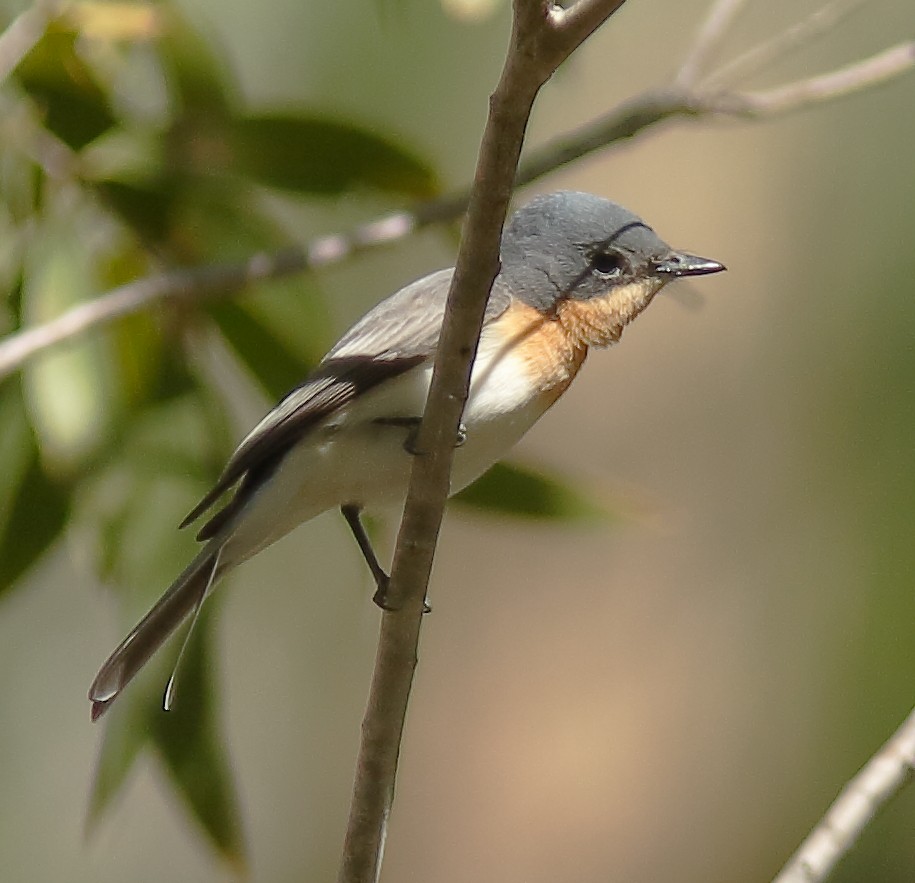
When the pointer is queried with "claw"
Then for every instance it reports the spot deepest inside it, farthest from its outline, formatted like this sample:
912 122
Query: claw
412 424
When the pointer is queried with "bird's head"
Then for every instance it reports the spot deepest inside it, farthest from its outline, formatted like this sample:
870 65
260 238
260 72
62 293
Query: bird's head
590 263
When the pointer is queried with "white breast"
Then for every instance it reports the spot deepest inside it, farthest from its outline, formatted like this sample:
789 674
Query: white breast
351 458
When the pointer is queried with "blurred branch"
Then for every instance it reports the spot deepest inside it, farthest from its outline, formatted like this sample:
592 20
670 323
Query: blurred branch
881 779
21 128
542 38
711 33
625 121
880 68
22 33
177 285
761 56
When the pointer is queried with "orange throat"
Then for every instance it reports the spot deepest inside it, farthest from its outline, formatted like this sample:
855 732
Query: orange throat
553 348
599 321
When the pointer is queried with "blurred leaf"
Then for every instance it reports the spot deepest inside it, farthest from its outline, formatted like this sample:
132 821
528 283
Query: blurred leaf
276 368
147 206
148 366
508 489
21 193
149 369
125 737
295 312
198 81
17 444
36 517
70 391
313 154
187 739
114 21
282 327
142 551
76 108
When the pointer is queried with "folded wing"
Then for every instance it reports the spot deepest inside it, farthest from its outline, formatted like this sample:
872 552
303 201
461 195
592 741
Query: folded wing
397 335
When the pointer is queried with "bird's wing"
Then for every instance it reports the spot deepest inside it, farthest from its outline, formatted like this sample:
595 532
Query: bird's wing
397 335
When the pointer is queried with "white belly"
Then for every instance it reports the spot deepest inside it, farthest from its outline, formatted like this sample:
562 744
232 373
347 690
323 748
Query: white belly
352 459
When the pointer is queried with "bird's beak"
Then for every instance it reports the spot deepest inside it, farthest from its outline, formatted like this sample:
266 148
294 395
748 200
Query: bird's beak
678 264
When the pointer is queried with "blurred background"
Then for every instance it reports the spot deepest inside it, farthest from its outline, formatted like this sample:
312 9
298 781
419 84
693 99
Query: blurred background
665 673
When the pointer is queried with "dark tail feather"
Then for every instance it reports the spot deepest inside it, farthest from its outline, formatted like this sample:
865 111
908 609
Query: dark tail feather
149 634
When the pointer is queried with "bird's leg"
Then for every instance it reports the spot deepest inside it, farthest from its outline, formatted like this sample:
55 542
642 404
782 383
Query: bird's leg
412 423
353 516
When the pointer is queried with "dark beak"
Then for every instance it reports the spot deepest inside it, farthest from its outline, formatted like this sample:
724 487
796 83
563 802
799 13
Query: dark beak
678 264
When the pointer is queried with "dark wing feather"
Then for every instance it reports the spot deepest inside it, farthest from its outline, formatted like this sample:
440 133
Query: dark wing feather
333 384
398 334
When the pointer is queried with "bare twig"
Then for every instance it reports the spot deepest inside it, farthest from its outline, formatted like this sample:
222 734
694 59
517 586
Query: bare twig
712 31
572 25
183 285
625 121
880 68
538 45
881 779
761 56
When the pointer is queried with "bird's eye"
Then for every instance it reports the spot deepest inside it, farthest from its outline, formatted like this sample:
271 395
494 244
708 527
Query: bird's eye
609 263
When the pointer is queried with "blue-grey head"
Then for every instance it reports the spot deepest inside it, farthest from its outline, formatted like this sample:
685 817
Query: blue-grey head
576 251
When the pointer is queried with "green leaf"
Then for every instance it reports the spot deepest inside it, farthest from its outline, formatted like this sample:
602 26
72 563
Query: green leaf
314 154
132 510
276 367
38 517
187 739
71 392
76 108
126 736
33 508
148 366
199 82
146 206
521 492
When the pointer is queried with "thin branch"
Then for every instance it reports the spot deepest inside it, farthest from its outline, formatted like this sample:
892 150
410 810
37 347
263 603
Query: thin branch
880 68
572 25
759 57
625 121
177 285
881 779
533 53
712 31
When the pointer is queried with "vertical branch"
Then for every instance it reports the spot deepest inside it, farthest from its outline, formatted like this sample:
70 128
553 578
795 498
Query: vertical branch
540 41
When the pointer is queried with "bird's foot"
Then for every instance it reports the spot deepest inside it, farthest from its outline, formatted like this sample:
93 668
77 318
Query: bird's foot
412 424
381 597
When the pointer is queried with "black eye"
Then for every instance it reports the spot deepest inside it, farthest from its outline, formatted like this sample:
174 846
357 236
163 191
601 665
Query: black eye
609 263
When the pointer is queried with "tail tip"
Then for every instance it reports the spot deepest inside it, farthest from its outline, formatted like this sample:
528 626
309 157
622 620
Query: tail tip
99 707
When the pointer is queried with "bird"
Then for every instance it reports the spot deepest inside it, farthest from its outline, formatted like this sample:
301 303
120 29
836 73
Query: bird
576 269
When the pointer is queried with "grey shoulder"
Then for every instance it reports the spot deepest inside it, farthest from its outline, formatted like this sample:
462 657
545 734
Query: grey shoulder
409 322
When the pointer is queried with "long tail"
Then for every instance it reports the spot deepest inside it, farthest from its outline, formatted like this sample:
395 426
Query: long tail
182 596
